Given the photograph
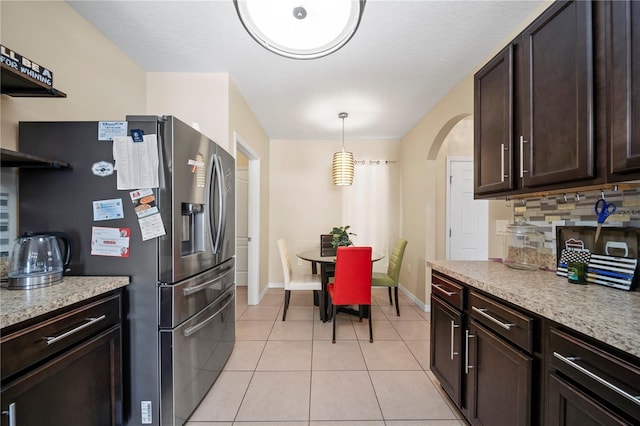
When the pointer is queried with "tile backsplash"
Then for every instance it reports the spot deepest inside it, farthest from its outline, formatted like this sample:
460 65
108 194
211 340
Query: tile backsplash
576 209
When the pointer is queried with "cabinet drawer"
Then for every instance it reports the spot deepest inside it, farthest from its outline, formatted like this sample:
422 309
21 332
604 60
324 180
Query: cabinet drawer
448 291
30 345
610 378
511 324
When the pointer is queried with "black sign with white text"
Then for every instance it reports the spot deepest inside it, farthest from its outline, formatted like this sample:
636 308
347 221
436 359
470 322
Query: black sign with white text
25 66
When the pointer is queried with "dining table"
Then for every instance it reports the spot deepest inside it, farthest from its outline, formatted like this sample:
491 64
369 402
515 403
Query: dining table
327 269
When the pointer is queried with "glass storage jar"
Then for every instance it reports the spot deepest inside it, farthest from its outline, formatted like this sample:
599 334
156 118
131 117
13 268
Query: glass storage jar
523 246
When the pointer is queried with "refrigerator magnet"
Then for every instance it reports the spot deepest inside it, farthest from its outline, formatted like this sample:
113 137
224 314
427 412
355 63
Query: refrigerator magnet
113 242
108 209
151 227
144 202
102 168
107 130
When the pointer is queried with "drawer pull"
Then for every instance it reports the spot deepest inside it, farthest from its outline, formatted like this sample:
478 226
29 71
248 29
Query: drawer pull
11 413
466 352
482 312
189 331
453 328
196 288
448 293
90 321
570 361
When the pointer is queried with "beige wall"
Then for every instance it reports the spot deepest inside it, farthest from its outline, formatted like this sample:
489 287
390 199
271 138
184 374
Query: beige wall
101 82
304 202
243 123
193 98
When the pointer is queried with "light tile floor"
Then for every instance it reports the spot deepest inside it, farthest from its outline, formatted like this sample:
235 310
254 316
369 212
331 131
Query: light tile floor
289 373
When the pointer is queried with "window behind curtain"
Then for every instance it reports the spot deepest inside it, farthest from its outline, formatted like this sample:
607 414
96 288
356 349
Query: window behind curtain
372 207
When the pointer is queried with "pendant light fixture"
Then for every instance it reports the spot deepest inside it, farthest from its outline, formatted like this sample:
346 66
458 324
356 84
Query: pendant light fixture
342 166
300 29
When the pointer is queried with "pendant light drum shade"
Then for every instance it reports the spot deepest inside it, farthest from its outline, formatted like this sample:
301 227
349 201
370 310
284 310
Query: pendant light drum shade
301 29
342 168
343 162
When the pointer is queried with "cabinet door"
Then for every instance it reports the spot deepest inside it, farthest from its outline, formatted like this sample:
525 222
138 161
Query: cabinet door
568 406
499 381
80 387
493 122
446 345
624 106
557 142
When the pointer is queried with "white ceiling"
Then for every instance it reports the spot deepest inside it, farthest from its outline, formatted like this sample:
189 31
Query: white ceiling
405 56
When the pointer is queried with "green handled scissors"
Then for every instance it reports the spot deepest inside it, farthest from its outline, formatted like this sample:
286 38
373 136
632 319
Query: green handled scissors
603 210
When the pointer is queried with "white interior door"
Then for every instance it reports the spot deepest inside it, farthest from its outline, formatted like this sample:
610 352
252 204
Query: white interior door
467 219
242 227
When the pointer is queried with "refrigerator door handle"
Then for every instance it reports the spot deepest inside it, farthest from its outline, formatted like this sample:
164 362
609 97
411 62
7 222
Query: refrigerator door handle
216 232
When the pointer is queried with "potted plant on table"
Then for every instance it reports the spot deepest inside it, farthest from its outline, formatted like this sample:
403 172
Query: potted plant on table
341 236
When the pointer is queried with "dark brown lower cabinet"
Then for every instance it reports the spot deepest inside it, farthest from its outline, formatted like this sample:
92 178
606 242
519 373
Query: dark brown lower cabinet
79 387
64 368
588 383
498 380
569 406
446 326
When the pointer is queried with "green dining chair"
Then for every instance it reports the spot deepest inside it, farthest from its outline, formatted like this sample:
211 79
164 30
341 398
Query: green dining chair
391 277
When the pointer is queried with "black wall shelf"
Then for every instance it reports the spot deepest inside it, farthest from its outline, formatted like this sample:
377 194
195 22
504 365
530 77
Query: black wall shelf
15 84
10 158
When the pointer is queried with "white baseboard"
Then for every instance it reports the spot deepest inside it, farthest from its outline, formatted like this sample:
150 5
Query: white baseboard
421 305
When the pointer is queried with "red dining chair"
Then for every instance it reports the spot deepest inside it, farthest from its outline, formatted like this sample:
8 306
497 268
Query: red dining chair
351 282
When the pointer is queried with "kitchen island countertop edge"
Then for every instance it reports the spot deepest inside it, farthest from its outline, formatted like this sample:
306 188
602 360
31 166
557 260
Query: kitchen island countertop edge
606 314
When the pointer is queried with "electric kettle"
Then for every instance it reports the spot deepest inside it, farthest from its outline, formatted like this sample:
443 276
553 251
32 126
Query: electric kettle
37 261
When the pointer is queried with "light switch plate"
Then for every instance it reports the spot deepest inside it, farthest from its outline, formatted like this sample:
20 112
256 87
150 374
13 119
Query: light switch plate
501 226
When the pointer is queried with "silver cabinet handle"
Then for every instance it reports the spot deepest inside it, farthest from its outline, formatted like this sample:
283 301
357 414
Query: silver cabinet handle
482 311
189 331
196 288
448 293
11 413
522 170
570 361
90 321
466 352
453 327
502 162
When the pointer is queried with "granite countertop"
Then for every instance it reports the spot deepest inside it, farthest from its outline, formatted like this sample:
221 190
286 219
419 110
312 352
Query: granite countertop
21 305
606 314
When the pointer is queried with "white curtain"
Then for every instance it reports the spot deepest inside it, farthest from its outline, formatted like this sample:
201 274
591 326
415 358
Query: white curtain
371 206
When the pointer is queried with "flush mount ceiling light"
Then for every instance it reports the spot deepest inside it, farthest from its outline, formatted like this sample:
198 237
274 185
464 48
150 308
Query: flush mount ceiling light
342 166
301 29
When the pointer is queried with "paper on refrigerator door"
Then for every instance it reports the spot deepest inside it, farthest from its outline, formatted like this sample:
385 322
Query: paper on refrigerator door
136 162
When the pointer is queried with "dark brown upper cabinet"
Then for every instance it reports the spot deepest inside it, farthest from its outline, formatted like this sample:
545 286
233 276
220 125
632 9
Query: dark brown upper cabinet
557 140
559 108
623 59
493 124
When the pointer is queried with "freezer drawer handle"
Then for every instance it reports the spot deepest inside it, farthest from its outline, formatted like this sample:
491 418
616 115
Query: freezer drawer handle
571 362
51 340
189 331
196 288
482 311
11 413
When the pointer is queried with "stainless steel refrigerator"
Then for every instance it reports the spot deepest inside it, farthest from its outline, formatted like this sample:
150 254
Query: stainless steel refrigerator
179 308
